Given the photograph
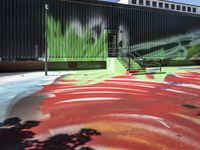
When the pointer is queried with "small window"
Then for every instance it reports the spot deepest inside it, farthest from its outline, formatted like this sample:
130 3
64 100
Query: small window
178 7
148 3
141 2
154 4
194 10
189 9
172 6
134 1
183 8
160 5
167 6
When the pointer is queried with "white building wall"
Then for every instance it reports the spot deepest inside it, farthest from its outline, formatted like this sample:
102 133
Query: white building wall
164 2
124 2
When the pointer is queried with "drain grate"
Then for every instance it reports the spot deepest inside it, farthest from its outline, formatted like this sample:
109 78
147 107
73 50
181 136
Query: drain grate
190 106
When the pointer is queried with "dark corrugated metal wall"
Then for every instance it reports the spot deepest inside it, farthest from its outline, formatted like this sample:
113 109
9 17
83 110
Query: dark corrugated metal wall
153 28
22 26
21 29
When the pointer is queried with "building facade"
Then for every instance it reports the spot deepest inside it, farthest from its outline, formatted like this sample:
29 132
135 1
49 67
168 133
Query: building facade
164 4
85 30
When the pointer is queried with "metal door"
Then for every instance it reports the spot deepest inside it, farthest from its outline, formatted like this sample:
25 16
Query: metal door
112 45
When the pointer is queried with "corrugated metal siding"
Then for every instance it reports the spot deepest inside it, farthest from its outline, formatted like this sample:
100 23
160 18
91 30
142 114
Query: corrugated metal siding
148 31
21 29
78 30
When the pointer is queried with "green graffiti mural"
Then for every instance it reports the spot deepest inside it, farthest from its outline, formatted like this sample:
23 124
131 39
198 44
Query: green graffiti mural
78 41
182 47
75 43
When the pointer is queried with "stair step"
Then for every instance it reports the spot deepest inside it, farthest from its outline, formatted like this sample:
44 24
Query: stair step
146 73
135 70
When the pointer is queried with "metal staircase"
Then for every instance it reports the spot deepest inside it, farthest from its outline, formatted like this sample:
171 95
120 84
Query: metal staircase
134 62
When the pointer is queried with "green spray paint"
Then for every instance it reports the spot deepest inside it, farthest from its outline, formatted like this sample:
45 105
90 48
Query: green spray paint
75 44
181 47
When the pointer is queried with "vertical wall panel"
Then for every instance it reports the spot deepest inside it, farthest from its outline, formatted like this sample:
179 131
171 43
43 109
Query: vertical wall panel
76 29
21 29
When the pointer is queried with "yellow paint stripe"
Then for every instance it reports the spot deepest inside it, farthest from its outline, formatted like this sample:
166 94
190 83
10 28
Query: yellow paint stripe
128 132
192 119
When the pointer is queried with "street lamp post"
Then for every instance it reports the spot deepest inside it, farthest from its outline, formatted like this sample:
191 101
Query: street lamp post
46 41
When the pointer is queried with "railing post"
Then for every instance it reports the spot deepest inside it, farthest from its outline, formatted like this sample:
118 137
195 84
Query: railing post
144 64
129 59
160 65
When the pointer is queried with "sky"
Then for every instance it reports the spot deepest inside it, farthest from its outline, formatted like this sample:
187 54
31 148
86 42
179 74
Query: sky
193 2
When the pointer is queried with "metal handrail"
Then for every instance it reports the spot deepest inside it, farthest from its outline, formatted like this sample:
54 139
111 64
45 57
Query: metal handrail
130 57
135 56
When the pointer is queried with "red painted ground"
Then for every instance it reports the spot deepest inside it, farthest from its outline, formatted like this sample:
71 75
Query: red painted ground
130 114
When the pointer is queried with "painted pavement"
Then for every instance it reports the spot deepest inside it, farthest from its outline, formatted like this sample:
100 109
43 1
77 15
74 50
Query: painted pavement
106 111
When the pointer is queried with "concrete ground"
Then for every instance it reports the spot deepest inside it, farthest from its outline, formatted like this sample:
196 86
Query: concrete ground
102 110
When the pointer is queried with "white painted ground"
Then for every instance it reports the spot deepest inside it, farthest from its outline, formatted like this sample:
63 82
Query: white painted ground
13 87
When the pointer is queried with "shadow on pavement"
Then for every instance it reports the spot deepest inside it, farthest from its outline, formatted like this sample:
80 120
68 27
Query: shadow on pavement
15 135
